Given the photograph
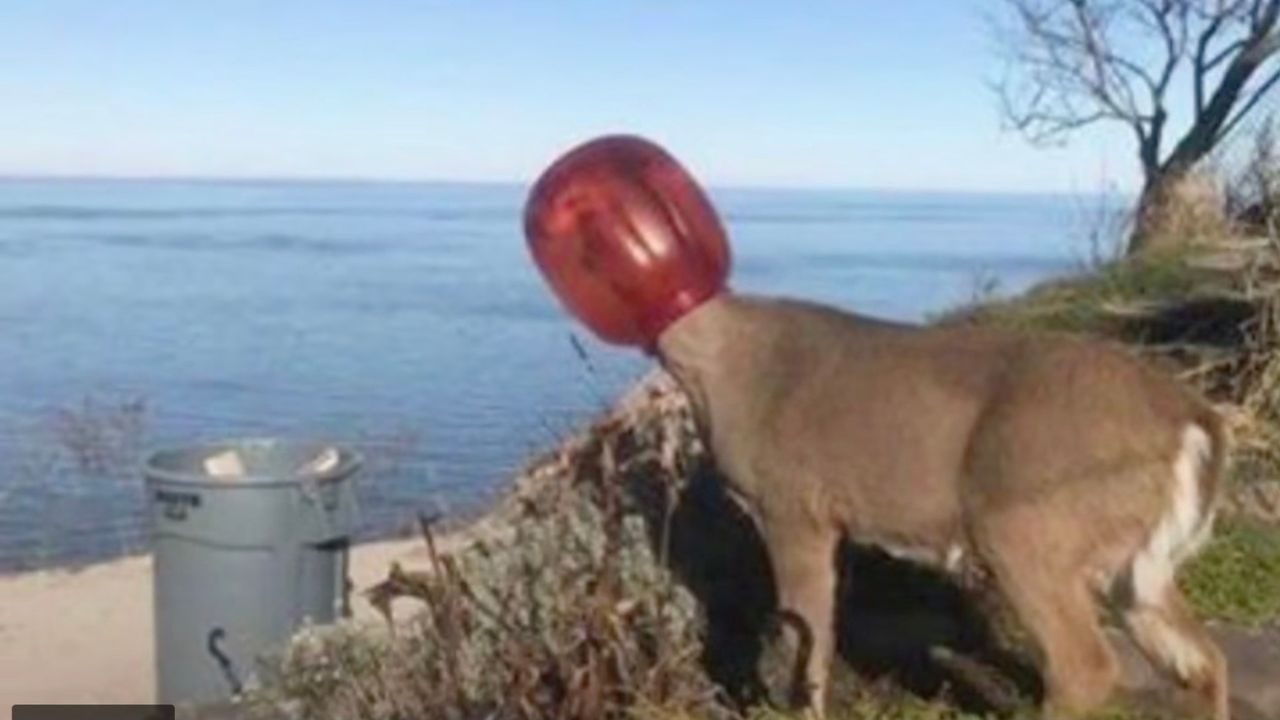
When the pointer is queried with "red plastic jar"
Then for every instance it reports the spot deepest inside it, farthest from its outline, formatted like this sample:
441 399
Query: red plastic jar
626 238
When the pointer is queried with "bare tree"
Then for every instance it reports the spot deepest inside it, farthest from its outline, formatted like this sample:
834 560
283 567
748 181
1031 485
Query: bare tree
1074 63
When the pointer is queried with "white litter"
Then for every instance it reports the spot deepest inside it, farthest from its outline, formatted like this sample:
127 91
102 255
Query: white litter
226 465
327 460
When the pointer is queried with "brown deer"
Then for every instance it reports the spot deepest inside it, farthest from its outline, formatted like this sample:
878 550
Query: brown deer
1068 469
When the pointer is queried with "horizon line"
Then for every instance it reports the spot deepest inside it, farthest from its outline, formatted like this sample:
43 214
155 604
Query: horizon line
373 180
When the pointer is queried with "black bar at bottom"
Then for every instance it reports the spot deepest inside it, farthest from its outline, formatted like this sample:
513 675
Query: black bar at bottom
93 712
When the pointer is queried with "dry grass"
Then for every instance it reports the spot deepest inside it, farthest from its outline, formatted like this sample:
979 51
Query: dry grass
1192 211
1253 189
569 613
65 453
102 440
1098 300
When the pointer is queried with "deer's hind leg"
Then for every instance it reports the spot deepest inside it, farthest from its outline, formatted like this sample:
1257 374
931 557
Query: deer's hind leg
1155 613
1169 635
1053 599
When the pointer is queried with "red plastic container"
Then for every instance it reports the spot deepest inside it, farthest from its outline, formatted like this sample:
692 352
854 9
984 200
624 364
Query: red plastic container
626 238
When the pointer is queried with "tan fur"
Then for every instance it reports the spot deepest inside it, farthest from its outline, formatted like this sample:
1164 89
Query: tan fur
1049 457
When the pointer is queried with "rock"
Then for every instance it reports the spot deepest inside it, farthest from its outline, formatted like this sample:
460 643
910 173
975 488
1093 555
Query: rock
1254 661
1253 658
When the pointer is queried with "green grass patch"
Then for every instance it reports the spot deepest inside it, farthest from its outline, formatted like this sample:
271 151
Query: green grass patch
1237 576
1092 300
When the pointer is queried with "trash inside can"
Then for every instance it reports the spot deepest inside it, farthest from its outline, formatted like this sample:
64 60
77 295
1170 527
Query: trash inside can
250 541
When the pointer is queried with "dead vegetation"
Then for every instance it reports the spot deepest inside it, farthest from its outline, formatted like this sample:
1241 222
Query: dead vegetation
1191 211
567 611
102 439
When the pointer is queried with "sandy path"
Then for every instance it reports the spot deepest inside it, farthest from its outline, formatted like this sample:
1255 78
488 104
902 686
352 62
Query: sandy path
85 635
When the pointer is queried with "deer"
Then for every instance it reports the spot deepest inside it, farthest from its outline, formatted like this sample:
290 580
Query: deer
1074 472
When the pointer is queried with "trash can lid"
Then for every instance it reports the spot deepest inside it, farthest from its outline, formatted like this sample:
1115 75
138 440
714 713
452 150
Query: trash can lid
252 461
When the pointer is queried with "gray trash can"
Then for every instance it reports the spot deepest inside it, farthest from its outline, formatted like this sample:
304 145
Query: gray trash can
250 540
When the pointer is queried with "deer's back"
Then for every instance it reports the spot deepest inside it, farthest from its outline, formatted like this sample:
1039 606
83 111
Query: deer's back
893 429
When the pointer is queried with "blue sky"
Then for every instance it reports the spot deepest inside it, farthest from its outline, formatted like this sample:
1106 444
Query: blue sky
852 93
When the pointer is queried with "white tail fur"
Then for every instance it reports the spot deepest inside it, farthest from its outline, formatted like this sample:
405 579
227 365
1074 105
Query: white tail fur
1182 531
1184 527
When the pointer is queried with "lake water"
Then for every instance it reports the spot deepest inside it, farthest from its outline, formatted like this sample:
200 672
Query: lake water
404 318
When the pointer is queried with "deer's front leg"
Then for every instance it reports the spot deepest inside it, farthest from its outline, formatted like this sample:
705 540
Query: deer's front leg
802 557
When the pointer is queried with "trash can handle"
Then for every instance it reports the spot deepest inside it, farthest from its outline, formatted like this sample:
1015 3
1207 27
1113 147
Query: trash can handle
216 636
310 489
314 493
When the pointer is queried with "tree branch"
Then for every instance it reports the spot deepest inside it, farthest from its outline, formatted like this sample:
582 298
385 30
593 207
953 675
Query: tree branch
1226 53
1201 67
1249 104
1072 75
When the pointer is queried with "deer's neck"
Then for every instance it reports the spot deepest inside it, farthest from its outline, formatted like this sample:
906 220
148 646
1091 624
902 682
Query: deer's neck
725 355
698 348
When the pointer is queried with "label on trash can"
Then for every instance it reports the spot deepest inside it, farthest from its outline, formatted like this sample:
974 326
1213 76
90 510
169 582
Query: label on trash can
177 504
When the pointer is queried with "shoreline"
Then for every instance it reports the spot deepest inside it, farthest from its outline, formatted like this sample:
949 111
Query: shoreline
72 565
85 634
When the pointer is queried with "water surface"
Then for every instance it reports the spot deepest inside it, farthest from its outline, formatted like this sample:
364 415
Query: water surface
404 318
